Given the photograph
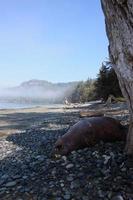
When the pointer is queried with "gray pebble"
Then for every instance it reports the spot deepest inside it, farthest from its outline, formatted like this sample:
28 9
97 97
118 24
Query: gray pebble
118 197
24 177
11 184
81 175
5 176
69 178
69 166
2 189
67 196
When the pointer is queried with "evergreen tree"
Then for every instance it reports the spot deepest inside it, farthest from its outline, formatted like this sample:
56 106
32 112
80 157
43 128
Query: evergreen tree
107 82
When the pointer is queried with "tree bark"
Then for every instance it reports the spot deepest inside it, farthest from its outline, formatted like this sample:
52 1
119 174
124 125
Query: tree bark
119 28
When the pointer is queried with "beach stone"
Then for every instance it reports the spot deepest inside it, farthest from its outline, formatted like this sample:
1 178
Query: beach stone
22 190
19 187
118 197
69 166
106 159
101 194
74 185
2 193
16 177
2 181
27 189
62 184
2 189
81 175
61 181
64 158
77 166
69 178
67 196
9 151
44 189
11 184
5 177
123 169
24 177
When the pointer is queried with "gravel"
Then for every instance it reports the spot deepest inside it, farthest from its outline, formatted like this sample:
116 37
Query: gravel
28 172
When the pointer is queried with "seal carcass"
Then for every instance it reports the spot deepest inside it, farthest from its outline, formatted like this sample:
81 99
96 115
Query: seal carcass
88 132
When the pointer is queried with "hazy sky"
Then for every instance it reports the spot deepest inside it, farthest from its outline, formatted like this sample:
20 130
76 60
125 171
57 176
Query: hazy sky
54 40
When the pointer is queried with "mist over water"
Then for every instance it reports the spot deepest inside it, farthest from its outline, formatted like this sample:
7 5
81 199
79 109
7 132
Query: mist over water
31 93
34 93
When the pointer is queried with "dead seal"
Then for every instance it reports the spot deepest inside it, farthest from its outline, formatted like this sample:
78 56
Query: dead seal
87 133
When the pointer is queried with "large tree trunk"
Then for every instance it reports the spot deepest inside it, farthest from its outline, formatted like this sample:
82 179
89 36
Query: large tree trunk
119 28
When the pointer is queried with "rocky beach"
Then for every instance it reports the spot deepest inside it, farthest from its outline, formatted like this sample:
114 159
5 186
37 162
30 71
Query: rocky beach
27 171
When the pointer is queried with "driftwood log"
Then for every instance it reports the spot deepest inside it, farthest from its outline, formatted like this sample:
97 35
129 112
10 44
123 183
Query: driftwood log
88 132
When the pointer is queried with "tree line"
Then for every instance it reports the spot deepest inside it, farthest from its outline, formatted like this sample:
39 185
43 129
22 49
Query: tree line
102 87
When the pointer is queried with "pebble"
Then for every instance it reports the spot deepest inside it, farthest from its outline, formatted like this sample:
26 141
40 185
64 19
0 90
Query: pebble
69 166
2 189
24 177
118 197
11 184
86 174
5 176
67 196
107 158
2 181
69 178
74 185
85 198
16 177
62 184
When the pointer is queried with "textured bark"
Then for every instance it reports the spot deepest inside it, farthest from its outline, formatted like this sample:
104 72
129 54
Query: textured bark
119 28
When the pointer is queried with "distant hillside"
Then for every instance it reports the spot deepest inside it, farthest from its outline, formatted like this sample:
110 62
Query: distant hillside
38 91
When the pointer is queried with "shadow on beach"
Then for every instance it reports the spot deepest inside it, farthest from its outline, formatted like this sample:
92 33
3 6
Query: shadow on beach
12 121
25 166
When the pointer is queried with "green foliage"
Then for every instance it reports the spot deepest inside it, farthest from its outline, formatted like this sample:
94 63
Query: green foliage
83 92
107 83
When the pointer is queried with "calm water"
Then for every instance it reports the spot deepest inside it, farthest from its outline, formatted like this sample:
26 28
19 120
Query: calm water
5 105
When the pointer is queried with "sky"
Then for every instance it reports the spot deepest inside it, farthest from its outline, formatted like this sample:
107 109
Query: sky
53 40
